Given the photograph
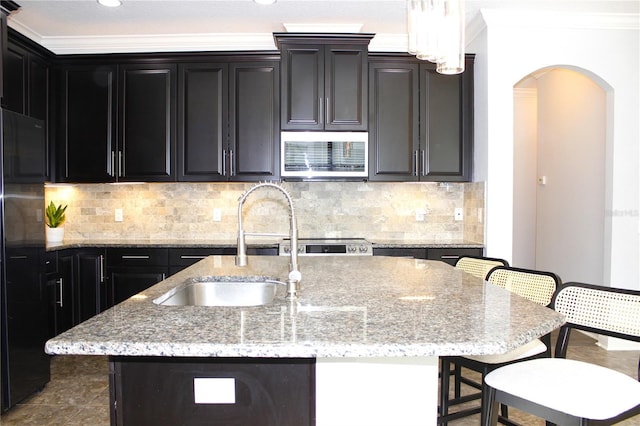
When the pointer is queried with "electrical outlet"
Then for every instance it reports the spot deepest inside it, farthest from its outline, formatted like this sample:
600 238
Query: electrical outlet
420 215
118 215
457 213
217 215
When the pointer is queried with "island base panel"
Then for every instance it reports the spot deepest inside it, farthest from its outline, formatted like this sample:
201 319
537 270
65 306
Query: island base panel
160 391
377 391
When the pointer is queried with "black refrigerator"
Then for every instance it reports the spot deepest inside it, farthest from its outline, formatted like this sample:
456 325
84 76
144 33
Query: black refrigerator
23 296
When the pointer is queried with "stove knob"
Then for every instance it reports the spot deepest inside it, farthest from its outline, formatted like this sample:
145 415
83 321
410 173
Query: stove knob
300 249
364 249
286 249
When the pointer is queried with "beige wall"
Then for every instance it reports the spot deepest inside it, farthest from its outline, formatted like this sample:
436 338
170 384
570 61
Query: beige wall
376 211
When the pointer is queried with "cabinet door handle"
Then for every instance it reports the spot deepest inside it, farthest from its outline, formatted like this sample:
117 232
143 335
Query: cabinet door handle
120 165
327 110
101 268
164 276
59 302
231 171
423 158
186 256
112 170
134 256
224 162
320 111
415 162
449 256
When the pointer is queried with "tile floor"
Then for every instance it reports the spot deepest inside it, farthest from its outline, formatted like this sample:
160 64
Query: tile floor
78 391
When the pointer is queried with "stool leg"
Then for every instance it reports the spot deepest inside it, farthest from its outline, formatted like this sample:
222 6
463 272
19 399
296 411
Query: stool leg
489 415
445 369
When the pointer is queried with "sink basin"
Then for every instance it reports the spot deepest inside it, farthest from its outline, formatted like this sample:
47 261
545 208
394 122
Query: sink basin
221 291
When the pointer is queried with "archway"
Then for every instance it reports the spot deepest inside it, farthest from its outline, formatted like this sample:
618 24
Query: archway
560 161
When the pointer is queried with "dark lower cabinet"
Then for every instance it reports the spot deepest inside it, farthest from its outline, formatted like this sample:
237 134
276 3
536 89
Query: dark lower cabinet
448 255
132 270
415 252
451 255
160 391
80 286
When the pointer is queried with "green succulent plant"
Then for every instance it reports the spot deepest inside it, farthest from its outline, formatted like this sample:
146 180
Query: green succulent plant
55 216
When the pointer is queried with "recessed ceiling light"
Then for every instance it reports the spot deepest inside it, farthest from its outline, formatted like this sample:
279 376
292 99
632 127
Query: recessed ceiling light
110 3
265 1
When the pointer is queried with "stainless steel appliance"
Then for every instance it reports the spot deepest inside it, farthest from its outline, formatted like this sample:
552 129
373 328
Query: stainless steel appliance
324 154
23 295
328 247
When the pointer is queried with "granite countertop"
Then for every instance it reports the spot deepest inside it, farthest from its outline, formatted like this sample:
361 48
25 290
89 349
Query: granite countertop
177 243
347 307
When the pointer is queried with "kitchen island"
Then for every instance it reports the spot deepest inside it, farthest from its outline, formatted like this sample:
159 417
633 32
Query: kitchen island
371 328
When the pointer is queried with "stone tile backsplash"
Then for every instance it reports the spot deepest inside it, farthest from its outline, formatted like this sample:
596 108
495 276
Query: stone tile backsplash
378 211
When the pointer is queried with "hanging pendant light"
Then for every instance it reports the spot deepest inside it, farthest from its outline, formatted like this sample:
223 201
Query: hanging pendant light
436 33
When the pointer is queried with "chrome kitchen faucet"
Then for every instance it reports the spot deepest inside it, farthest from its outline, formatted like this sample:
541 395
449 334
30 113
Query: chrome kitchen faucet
293 282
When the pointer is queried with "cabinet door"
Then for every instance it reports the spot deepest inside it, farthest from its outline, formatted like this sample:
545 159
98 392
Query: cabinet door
132 270
446 104
394 148
91 294
16 62
202 121
147 122
126 282
254 138
302 87
65 292
86 124
451 255
345 88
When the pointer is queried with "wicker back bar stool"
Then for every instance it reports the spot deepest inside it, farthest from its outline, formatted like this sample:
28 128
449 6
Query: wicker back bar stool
537 286
569 392
479 266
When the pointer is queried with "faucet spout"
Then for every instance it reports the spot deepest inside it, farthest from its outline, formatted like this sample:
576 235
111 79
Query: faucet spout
295 276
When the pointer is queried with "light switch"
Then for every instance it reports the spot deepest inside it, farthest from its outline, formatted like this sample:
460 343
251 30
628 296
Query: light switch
457 213
118 216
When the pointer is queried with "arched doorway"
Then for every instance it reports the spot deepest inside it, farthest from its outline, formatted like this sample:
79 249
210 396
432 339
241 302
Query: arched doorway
560 140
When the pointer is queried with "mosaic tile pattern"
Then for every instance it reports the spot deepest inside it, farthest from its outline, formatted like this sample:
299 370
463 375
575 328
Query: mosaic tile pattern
378 211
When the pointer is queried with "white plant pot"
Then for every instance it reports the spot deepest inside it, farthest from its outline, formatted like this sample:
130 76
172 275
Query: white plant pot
55 235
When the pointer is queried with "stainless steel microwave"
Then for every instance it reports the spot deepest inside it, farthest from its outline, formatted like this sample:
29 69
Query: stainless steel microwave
324 154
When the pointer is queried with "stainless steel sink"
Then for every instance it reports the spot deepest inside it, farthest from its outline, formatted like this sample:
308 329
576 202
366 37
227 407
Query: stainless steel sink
221 291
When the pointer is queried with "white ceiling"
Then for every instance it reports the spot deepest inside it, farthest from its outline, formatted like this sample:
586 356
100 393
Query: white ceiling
83 26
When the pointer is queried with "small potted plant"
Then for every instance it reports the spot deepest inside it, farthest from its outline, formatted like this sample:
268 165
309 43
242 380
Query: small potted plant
55 217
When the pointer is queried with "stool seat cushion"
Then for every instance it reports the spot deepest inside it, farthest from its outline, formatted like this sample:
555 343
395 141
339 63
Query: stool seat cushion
573 387
527 350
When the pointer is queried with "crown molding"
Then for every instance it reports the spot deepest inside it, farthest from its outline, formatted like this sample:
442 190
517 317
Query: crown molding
182 42
564 20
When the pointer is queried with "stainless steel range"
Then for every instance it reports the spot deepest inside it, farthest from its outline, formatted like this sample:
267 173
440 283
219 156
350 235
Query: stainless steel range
329 247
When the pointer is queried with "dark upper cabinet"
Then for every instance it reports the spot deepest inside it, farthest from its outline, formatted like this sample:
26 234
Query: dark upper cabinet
16 62
26 88
202 121
228 121
147 122
394 138
86 123
421 122
254 134
26 85
324 81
